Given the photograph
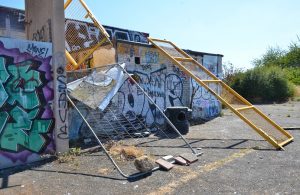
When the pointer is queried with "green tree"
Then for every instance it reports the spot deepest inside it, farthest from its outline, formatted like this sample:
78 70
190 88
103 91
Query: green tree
273 57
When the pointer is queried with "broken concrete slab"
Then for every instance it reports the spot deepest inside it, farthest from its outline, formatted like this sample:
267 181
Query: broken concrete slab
189 157
179 160
164 164
169 158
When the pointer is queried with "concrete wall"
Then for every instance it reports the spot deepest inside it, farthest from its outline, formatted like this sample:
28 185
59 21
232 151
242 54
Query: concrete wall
166 83
163 81
12 23
204 105
103 56
26 97
45 22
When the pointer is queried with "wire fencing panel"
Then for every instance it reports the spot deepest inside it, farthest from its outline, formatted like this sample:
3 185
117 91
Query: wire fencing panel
126 134
84 34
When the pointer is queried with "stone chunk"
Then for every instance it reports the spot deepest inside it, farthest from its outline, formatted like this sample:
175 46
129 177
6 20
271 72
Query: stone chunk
144 164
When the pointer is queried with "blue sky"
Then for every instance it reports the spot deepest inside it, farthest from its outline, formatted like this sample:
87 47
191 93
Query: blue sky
240 30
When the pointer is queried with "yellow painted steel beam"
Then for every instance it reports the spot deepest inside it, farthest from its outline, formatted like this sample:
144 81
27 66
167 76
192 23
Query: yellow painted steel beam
205 70
180 50
95 21
244 108
212 75
211 81
273 123
160 40
91 51
183 59
286 142
67 4
71 59
186 71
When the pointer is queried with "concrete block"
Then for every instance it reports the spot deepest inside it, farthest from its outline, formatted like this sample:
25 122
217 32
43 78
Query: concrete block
164 164
169 158
179 160
189 157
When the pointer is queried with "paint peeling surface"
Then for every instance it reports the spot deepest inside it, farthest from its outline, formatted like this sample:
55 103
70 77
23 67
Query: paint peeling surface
26 95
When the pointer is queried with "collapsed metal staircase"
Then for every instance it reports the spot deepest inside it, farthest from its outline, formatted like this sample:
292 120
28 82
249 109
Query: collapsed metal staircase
262 124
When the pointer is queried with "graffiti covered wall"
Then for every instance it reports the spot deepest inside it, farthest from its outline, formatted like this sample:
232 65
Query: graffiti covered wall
12 23
81 35
205 106
164 82
26 93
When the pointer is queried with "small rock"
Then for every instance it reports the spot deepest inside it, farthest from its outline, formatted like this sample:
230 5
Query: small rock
143 164
136 186
22 186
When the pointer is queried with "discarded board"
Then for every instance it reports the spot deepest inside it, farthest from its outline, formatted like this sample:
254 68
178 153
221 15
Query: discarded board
169 158
190 158
179 160
164 164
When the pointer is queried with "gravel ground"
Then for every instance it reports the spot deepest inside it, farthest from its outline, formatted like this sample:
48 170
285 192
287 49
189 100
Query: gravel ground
235 161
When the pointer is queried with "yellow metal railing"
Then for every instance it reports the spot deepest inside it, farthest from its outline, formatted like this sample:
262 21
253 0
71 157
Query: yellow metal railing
258 121
83 32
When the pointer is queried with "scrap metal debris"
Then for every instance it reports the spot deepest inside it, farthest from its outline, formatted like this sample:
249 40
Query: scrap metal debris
98 88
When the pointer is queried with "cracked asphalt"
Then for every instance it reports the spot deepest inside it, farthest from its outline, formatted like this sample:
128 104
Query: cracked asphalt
235 160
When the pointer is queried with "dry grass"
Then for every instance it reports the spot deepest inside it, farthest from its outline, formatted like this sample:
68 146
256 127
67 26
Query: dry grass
70 157
104 171
297 91
296 96
122 152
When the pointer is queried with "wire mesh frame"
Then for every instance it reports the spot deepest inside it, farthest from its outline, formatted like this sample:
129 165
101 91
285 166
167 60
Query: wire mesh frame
103 40
111 136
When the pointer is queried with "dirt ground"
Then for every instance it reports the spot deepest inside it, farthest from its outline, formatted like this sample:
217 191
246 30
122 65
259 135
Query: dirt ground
235 160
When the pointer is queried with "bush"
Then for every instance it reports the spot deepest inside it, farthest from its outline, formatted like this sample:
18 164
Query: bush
293 74
263 84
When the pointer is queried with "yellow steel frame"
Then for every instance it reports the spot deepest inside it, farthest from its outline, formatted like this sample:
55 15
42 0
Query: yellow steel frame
89 14
176 60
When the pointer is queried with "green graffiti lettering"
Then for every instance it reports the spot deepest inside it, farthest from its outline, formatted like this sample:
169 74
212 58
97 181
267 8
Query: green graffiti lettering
26 131
22 86
20 125
3 78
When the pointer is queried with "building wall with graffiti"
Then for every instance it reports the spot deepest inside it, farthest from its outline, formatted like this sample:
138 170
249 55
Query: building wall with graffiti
205 106
26 93
165 83
12 23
